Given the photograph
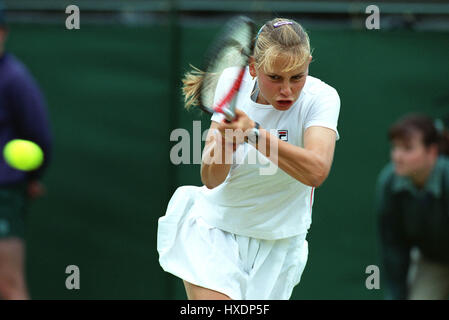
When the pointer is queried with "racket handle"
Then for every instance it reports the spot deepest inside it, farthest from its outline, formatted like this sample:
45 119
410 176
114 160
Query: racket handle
229 114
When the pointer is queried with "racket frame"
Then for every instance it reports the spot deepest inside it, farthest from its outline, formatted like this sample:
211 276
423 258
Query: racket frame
227 104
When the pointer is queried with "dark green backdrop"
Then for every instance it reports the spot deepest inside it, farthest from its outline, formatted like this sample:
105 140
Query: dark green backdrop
108 90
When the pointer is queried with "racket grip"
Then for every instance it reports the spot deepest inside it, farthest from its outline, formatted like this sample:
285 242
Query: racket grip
229 114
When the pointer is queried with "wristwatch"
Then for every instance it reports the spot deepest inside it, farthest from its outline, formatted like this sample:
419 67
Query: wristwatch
253 136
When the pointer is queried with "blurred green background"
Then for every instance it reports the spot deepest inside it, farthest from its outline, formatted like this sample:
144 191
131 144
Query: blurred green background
113 96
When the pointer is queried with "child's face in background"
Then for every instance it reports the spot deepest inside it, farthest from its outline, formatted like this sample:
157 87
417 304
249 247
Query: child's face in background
410 156
278 88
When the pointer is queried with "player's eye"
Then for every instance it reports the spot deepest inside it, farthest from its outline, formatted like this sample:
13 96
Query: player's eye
297 77
274 77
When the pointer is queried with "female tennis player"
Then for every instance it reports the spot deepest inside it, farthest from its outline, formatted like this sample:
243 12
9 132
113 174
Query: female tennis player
243 234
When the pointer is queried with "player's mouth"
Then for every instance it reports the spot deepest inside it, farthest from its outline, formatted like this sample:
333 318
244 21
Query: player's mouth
284 103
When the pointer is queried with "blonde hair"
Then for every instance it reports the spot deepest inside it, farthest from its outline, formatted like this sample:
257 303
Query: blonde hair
278 37
281 37
191 85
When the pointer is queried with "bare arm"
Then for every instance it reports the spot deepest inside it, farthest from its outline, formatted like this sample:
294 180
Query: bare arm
214 169
310 165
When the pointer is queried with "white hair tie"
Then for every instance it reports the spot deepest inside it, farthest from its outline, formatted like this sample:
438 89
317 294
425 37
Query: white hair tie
281 23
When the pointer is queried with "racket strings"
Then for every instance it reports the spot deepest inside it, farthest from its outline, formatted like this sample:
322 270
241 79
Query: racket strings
231 49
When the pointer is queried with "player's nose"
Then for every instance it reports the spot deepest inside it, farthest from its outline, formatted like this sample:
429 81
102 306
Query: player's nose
286 90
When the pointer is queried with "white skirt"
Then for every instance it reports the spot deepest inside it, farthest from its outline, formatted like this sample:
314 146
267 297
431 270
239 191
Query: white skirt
235 265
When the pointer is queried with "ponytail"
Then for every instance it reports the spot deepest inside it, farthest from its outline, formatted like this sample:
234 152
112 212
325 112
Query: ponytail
191 86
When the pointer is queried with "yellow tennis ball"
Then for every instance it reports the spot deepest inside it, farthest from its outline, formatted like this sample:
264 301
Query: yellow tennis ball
23 155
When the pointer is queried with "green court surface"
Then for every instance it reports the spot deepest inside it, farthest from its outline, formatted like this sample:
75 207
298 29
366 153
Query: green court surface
108 90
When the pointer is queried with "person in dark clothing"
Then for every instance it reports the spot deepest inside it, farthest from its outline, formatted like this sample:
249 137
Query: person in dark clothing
23 115
412 200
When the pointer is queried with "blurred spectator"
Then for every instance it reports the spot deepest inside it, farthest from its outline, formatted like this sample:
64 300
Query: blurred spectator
413 206
23 115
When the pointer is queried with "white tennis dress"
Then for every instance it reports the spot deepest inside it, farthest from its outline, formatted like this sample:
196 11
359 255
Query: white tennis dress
246 237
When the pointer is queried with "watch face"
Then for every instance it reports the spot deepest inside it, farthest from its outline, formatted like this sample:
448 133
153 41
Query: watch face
252 137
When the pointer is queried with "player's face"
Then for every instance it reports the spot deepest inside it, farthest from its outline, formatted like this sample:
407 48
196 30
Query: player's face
281 89
411 157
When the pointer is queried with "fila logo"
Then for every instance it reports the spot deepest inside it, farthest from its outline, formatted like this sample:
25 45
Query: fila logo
283 135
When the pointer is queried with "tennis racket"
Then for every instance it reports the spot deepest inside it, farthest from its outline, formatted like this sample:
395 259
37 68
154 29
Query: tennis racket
230 49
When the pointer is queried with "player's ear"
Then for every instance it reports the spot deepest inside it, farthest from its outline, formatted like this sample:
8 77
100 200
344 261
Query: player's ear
252 67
